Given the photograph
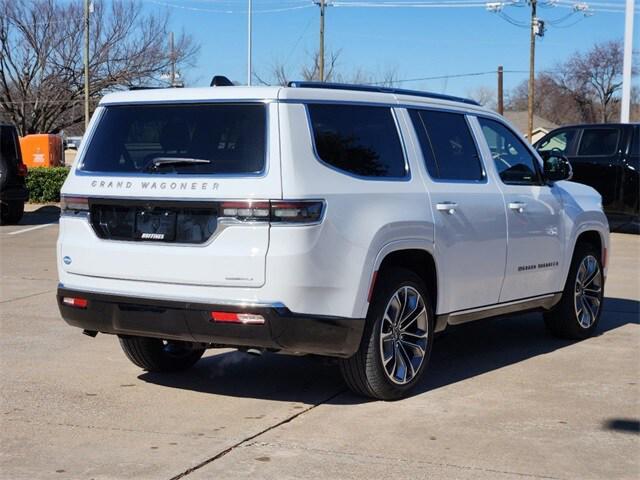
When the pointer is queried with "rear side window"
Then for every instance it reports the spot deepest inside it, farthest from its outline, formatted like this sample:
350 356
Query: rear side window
635 144
361 140
598 141
205 139
447 146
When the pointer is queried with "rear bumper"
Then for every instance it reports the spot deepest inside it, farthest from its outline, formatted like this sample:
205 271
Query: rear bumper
282 330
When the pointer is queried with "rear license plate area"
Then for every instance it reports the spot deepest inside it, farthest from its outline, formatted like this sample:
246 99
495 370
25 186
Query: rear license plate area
155 225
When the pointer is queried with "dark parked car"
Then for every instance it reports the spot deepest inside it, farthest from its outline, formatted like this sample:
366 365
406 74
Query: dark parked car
13 191
606 157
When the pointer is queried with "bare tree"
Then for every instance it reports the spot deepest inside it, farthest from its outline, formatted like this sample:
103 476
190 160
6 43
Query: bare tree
41 65
484 95
583 89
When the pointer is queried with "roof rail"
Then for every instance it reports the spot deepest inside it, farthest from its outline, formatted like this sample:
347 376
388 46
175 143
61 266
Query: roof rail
373 88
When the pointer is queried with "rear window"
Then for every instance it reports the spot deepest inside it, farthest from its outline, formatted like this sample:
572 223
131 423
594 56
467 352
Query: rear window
185 139
598 141
361 140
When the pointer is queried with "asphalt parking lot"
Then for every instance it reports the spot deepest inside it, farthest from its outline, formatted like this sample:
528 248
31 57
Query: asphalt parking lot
503 399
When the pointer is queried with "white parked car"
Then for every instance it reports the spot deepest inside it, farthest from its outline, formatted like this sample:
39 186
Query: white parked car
345 221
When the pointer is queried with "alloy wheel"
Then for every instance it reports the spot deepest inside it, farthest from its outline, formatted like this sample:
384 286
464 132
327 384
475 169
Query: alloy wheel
404 334
588 291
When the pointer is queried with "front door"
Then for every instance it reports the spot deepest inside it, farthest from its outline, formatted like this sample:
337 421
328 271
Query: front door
534 221
468 211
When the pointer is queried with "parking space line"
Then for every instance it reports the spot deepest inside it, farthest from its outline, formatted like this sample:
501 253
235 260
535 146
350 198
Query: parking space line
25 230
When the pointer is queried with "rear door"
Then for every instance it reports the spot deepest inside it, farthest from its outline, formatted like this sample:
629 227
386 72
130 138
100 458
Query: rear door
598 163
468 211
534 215
631 174
176 194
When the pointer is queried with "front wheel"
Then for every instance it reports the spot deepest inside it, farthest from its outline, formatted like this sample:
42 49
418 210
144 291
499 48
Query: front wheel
577 314
397 340
155 355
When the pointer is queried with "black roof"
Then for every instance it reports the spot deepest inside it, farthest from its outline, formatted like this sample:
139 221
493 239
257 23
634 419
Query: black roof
373 88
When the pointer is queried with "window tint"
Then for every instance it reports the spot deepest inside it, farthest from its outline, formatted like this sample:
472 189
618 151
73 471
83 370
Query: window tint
361 140
560 141
447 145
598 141
222 138
513 160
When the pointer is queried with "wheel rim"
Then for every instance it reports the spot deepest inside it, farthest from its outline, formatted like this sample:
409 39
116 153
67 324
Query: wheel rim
588 291
404 333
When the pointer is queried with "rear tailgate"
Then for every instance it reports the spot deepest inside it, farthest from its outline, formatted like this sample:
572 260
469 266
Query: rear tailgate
163 225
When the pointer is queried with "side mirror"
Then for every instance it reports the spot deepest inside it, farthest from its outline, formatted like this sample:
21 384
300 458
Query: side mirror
556 166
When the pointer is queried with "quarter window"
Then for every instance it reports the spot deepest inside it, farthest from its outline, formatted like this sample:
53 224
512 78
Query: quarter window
447 146
361 140
598 142
513 160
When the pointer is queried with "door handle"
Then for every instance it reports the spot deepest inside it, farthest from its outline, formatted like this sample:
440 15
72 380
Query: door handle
517 206
448 207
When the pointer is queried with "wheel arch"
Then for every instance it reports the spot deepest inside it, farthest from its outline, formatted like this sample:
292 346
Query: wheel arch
413 256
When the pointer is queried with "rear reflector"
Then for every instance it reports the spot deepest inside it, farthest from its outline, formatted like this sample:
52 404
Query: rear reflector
242 318
75 302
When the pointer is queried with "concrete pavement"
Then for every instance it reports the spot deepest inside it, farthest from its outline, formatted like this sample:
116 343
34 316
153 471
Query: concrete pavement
502 399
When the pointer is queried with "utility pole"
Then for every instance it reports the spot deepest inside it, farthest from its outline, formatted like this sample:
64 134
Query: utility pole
172 60
626 65
500 91
86 65
532 65
322 5
249 42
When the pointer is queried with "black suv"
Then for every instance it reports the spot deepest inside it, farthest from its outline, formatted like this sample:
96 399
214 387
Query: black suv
606 157
13 191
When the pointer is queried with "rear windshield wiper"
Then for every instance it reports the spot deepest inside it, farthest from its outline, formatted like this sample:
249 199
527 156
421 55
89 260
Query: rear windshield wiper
159 162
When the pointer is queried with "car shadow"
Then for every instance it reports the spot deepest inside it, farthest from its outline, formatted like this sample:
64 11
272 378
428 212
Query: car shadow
462 352
41 216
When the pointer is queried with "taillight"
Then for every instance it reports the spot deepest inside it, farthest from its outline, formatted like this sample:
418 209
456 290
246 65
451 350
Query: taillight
75 302
242 318
74 204
22 170
276 211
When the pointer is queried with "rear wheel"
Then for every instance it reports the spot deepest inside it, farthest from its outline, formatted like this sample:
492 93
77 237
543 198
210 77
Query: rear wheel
11 212
397 340
577 314
157 355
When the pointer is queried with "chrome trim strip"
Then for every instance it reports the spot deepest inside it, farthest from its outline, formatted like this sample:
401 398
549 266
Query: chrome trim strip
500 305
231 303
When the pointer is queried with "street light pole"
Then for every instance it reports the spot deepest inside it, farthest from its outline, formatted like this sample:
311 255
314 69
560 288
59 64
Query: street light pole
86 65
626 65
249 42
532 64
321 51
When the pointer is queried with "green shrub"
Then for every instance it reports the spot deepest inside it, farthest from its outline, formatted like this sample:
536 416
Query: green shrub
44 184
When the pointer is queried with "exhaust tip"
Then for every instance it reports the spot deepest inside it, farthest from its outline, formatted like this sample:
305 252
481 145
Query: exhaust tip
90 333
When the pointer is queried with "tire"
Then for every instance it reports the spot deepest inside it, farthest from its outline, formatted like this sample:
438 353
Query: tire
577 314
11 213
155 355
365 372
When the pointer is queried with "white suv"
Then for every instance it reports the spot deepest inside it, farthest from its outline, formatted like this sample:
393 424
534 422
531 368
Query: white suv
336 220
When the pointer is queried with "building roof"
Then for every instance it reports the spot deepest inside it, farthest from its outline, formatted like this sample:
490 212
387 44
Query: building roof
520 120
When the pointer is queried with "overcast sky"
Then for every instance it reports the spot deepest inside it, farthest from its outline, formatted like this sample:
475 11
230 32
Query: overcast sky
439 40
